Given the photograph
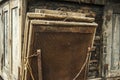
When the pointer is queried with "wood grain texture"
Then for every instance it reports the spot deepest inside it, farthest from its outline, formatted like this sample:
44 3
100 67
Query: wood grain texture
60 17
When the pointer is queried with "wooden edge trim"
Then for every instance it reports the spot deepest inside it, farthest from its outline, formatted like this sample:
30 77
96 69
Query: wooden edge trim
62 23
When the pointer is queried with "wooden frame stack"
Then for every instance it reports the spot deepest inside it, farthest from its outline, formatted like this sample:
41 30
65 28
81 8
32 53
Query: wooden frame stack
52 21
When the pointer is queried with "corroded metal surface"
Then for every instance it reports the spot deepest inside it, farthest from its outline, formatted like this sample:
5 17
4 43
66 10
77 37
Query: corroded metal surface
63 54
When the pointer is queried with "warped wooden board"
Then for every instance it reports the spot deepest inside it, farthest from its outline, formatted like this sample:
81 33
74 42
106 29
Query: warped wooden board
99 2
46 11
60 17
63 49
24 49
58 12
62 23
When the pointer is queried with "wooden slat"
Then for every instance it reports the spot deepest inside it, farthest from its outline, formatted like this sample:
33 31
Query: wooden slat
28 48
64 29
24 53
60 17
62 23
93 61
78 13
56 12
39 64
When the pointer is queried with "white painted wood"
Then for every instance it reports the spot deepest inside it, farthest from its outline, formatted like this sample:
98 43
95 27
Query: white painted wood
1 39
6 37
112 42
15 42
115 49
116 43
5 41
12 60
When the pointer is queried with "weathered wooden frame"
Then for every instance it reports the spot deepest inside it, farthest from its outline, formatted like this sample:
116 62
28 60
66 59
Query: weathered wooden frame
63 17
49 25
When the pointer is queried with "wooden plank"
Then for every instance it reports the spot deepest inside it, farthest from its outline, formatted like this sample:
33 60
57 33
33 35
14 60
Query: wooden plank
56 12
62 23
60 17
64 29
16 42
24 50
28 49
116 42
39 64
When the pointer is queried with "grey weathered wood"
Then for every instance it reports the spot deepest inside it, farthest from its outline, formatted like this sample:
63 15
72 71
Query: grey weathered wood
59 23
15 41
1 40
82 12
60 17
24 50
56 12
111 41
115 63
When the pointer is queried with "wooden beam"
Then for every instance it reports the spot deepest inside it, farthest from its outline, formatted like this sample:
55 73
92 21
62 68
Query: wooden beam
62 23
60 17
46 11
39 64
78 13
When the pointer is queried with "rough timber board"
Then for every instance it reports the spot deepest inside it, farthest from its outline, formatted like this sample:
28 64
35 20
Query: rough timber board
62 23
111 40
77 29
60 17
59 12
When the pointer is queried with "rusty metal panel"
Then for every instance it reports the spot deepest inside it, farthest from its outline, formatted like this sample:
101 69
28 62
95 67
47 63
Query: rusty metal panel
63 53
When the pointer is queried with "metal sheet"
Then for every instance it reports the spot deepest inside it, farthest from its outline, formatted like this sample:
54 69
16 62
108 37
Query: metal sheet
63 54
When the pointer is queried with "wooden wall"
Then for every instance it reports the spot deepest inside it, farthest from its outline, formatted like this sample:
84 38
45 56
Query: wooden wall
111 40
10 39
